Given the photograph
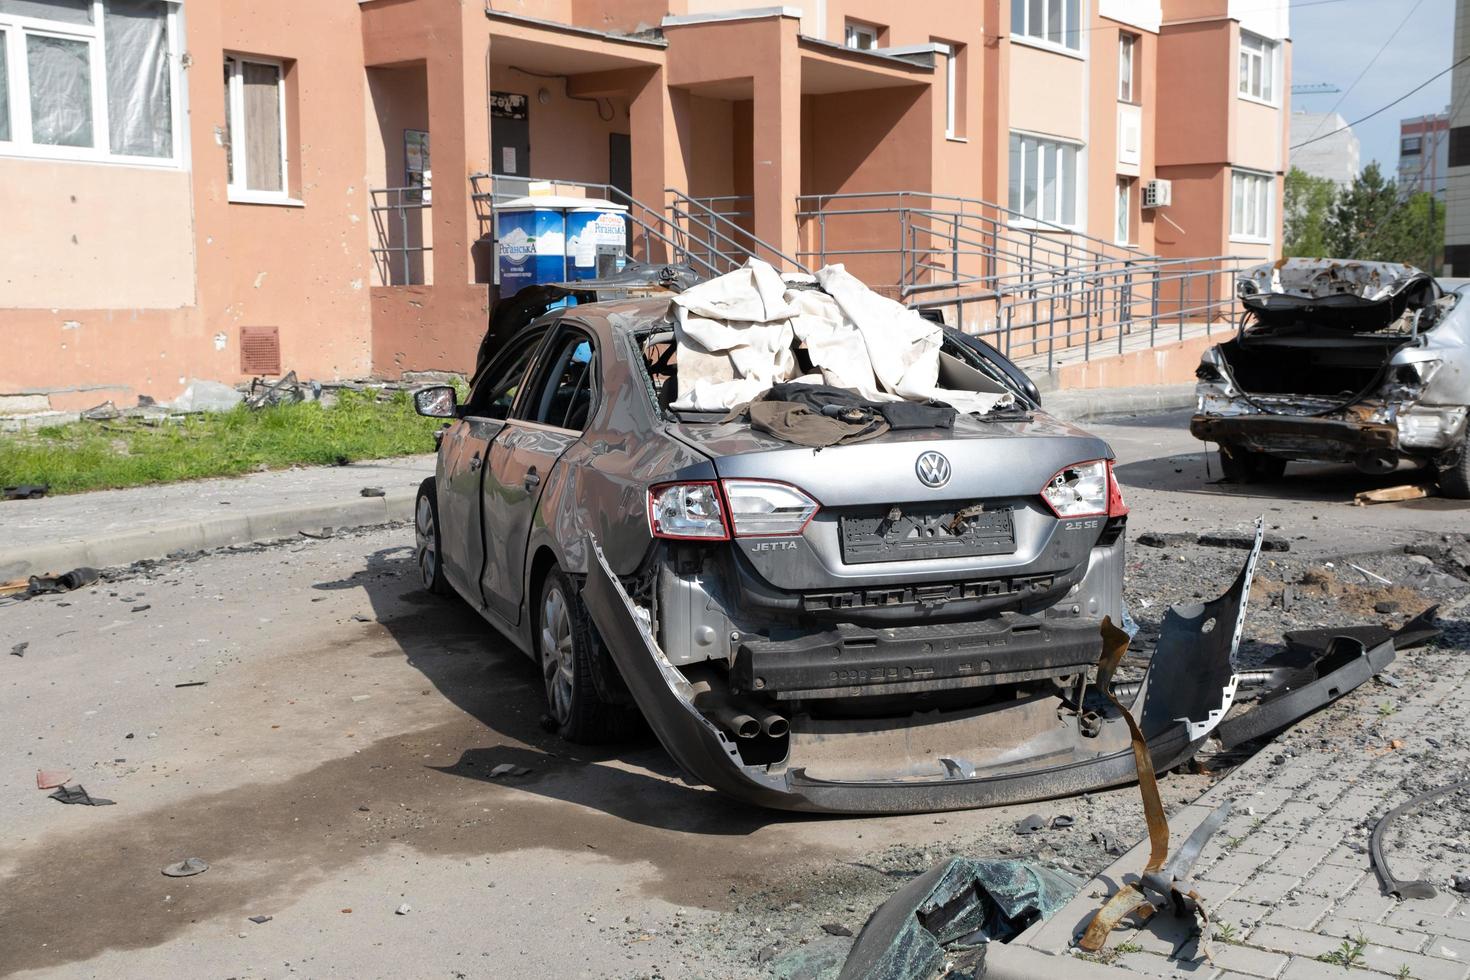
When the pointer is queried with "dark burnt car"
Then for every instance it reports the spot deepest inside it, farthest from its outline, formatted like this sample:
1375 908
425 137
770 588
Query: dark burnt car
1341 362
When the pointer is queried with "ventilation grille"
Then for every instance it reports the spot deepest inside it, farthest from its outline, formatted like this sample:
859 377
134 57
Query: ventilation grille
260 350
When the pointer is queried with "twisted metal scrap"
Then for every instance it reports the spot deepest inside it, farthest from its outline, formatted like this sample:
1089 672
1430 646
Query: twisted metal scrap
1169 880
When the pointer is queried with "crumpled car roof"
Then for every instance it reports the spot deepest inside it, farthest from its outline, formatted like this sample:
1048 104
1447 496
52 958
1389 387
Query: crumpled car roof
1320 278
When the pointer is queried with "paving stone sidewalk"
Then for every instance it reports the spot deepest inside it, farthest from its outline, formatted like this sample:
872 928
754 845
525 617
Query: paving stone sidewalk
1288 880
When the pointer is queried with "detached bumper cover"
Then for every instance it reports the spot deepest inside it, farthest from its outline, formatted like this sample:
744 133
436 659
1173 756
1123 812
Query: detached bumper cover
1312 437
1188 687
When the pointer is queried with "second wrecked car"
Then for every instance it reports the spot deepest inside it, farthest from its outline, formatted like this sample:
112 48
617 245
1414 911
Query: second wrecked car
750 513
1353 362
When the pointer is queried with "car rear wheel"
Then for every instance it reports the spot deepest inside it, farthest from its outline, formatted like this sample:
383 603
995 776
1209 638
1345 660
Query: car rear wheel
1247 466
426 546
568 648
1454 480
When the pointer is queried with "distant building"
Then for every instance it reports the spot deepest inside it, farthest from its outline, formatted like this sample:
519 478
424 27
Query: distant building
1424 154
1331 149
1457 196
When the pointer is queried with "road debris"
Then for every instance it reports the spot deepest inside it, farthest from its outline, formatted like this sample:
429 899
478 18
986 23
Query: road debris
950 913
192 684
1370 576
282 392
187 868
836 929
373 492
25 491
403 909
1031 824
1392 495
1166 879
261 920
1243 539
19 650
75 794
67 582
508 769
1391 885
51 778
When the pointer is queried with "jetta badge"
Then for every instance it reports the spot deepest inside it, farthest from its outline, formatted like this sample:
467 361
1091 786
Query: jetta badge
933 469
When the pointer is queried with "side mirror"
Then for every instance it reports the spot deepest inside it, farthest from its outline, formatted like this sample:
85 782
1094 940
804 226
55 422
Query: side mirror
438 402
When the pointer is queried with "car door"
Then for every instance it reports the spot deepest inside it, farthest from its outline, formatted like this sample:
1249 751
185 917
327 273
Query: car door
462 457
548 419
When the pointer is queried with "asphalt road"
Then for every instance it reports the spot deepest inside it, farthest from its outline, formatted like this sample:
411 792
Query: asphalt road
335 765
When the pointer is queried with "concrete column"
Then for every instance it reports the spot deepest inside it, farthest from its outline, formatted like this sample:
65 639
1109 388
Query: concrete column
658 160
776 146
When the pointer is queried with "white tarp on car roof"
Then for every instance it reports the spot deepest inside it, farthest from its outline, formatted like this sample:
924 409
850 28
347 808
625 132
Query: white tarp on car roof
736 335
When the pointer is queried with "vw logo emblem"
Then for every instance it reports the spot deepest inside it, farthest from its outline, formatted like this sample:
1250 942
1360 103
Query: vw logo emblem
933 469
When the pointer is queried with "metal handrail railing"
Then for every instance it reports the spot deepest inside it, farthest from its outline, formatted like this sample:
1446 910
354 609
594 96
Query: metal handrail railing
719 226
401 200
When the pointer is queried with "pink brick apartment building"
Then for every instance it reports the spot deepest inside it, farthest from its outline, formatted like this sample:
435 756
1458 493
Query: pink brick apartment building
202 189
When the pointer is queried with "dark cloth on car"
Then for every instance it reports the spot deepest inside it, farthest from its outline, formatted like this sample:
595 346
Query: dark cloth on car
829 400
799 424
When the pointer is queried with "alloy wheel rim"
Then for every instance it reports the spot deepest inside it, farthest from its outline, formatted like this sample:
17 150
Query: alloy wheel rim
557 654
425 545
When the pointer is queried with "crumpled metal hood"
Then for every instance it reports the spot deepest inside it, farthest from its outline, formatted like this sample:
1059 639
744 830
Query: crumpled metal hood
1322 278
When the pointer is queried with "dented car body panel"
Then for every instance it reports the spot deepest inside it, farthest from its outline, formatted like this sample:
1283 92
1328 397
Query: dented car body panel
1358 362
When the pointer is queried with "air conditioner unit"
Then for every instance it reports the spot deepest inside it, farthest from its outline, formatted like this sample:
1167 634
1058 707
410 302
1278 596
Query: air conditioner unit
1158 193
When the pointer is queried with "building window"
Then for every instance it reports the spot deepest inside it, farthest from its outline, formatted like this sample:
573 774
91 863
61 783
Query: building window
255 126
1257 67
1411 146
1123 212
89 80
1043 179
863 37
1250 205
1056 22
954 89
1127 44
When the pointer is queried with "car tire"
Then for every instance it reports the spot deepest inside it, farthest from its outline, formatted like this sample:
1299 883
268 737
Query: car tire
428 554
1247 466
568 649
1454 480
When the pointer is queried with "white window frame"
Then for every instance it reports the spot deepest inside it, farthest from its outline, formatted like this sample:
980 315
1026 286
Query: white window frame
1079 202
238 189
15 29
1127 56
855 30
1264 53
1022 32
1123 211
1252 206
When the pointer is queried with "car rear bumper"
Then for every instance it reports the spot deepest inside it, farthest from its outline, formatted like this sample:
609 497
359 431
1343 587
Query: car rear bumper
1298 437
1003 753
854 661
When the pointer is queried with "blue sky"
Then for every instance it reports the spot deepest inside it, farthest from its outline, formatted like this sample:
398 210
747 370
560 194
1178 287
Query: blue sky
1333 41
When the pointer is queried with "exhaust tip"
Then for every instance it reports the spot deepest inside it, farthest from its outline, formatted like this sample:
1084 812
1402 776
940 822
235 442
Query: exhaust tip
777 727
745 726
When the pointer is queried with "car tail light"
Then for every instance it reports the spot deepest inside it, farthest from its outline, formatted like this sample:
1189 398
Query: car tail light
1116 506
760 508
1080 490
687 511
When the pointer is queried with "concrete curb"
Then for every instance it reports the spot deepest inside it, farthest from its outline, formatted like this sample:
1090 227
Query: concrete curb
159 540
1076 405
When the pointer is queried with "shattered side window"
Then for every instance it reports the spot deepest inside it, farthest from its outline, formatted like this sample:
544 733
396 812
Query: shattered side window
496 391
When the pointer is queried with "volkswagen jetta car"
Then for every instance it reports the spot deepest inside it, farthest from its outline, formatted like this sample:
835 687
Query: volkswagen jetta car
906 622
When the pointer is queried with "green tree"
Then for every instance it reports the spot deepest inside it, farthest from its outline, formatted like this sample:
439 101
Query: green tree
1373 221
1306 212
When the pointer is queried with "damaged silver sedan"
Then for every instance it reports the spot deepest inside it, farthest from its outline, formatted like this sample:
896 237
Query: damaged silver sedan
1342 362
905 612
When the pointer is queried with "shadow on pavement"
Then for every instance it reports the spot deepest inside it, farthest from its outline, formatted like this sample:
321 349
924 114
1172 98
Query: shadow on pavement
482 674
